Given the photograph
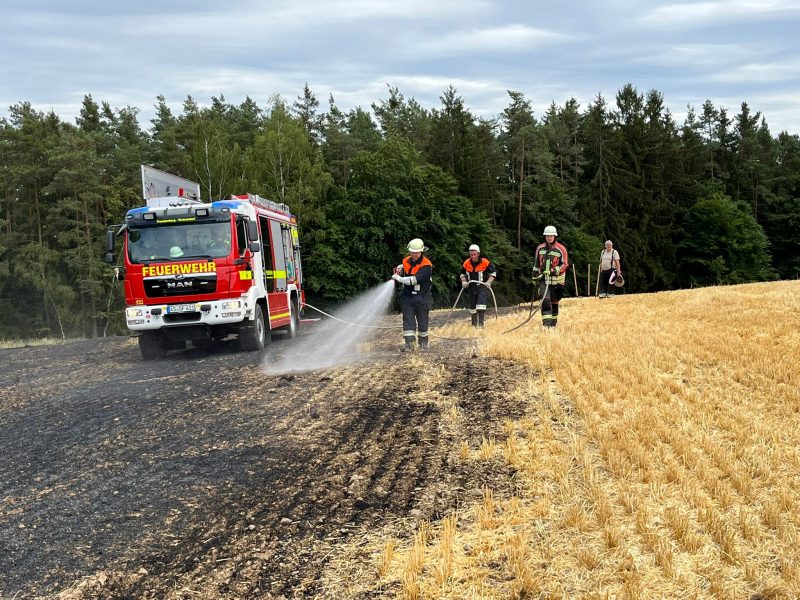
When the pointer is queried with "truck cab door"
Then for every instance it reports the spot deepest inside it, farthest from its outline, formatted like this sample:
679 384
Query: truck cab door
266 254
247 262
278 255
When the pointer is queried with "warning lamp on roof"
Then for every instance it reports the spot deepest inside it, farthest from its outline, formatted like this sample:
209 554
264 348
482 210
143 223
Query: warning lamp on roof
201 212
148 216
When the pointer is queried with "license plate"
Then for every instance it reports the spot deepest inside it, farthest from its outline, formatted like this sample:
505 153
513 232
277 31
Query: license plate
181 308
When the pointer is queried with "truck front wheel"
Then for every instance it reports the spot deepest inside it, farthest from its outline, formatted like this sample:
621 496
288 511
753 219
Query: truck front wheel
294 320
151 347
253 336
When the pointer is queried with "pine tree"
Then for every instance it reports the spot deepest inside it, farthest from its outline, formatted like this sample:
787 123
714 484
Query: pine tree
285 162
399 117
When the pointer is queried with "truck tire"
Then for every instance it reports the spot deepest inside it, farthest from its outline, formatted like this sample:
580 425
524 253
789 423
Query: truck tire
294 321
151 347
253 336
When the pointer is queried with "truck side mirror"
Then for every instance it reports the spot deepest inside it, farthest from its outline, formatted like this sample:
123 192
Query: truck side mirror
254 247
110 258
252 232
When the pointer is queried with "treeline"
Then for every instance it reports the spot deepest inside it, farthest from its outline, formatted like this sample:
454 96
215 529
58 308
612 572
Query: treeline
711 201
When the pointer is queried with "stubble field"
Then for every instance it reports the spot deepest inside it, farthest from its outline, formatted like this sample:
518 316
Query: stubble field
658 457
649 447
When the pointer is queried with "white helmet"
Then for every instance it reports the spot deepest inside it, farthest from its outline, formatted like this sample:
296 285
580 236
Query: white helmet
550 230
475 247
175 252
416 245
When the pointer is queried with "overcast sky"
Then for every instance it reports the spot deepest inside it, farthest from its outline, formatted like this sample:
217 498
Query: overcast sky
127 53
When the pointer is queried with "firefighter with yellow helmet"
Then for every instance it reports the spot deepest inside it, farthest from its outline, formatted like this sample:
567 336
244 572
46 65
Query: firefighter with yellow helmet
550 272
415 298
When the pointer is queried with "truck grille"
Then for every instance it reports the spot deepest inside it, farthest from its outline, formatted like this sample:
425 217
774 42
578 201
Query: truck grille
184 286
182 317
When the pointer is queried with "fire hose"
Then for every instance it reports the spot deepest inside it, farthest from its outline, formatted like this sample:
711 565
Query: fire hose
330 316
533 308
455 304
532 312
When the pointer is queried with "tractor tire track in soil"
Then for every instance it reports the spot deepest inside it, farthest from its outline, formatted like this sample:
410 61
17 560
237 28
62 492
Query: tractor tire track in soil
198 476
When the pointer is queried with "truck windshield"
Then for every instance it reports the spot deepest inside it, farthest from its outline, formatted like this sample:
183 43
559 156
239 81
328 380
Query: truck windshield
211 239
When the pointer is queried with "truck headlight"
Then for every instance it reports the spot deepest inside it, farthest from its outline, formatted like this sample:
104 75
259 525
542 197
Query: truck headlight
232 305
132 313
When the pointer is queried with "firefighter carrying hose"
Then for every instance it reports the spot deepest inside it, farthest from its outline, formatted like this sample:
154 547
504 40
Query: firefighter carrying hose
415 298
476 270
549 271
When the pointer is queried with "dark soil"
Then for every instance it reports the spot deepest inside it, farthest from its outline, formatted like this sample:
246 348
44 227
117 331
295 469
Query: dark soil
199 474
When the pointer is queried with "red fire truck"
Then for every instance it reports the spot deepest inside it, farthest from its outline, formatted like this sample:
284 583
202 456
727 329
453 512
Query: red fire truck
199 272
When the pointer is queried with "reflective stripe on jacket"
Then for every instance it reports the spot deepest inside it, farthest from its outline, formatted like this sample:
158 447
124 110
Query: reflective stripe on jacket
421 270
480 271
552 257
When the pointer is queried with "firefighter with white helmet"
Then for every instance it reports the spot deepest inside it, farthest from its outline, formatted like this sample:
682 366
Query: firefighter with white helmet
549 271
415 298
477 275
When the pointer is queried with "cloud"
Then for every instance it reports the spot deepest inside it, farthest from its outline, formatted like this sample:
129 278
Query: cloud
263 25
781 110
703 13
427 84
703 55
354 48
784 70
506 38
360 10
236 82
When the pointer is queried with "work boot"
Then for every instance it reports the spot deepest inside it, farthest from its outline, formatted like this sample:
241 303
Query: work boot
603 295
408 346
481 315
423 343
474 319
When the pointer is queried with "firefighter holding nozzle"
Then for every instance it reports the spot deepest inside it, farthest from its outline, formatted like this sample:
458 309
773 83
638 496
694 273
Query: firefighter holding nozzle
477 275
415 298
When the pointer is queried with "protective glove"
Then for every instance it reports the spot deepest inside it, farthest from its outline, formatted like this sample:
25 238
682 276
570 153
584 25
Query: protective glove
398 269
464 283
488 283
403 280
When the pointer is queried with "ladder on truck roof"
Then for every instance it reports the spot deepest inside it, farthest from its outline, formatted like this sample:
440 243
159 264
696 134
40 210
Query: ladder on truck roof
171 202
257 200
